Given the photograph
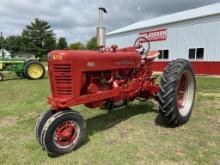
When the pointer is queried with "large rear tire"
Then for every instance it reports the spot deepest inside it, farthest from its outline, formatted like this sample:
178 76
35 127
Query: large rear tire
63 132
177 92
34 70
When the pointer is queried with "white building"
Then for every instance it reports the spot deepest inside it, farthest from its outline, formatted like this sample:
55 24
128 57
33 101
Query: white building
192 34
7 54
23 55
19 55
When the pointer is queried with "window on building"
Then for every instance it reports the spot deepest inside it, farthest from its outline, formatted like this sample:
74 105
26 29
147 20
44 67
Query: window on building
164 54
200 53
196 53
192 53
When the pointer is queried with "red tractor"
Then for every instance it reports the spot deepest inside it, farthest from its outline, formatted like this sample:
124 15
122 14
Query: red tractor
109 78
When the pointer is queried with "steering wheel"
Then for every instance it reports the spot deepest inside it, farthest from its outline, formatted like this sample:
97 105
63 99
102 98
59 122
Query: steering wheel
139 44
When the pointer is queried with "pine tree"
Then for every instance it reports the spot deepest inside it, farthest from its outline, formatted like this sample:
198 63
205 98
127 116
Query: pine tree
39 38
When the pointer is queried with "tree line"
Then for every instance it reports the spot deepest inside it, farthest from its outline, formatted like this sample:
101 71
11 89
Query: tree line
39 38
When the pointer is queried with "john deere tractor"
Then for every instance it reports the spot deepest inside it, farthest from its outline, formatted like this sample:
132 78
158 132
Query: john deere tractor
30 69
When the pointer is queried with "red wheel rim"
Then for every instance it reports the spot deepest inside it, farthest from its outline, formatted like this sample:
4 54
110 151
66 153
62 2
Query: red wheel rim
185 93
181 92
66 133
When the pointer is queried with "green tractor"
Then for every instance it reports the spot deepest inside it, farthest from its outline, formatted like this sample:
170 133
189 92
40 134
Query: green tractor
30 69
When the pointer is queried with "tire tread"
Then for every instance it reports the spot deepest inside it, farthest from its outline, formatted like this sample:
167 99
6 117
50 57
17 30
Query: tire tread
168 91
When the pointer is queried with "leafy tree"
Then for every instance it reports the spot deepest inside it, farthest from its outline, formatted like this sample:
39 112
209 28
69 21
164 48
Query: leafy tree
92 44
14 43
39 38
77 46
62 43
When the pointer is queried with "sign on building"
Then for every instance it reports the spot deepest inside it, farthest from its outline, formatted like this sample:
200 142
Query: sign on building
155 35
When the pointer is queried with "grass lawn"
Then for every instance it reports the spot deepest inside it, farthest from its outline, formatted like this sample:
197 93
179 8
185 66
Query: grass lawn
133 135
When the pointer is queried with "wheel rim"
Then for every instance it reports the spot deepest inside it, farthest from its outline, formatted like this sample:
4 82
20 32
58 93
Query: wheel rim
35 71
66 134
185 93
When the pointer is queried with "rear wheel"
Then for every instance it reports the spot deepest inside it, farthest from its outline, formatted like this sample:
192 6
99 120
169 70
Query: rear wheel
63 132
1 76
177 92
34 70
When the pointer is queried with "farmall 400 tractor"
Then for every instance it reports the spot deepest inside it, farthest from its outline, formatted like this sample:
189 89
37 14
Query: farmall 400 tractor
109 78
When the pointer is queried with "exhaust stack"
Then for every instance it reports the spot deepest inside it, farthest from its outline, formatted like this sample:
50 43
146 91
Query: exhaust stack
101 30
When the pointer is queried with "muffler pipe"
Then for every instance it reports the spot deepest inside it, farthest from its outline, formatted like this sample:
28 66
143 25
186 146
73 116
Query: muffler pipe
101 30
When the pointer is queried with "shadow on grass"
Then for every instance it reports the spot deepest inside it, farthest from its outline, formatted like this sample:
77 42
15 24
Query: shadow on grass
12 76
112 118
108 120
10 79
19 78
161 122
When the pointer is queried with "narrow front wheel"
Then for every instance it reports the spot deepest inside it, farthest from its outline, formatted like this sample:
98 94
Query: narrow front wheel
63 132
41 122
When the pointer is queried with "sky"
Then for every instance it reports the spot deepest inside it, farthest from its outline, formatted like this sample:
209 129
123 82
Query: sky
76 20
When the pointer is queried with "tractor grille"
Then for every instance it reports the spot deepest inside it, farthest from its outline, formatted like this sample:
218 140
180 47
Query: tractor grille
63 79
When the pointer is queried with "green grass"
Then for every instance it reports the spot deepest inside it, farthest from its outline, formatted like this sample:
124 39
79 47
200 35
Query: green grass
133 135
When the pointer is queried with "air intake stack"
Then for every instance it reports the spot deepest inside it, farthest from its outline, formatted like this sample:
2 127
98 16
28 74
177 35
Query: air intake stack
101 30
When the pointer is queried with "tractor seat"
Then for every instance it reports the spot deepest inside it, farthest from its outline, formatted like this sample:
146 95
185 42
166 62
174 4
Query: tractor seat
152 54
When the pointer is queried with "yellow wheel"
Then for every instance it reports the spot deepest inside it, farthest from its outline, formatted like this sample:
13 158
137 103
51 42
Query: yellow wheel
34 70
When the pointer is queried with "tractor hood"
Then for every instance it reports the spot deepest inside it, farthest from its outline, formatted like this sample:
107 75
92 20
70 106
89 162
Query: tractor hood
93 60
73 55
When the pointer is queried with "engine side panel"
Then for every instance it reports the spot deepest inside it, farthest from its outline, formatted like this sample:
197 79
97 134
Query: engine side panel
81 77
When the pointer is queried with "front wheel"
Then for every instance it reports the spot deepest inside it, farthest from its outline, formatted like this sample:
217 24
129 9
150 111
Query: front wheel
41 122
63 132
177 92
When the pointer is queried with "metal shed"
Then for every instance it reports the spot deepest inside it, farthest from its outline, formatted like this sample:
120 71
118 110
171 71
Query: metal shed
192 34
